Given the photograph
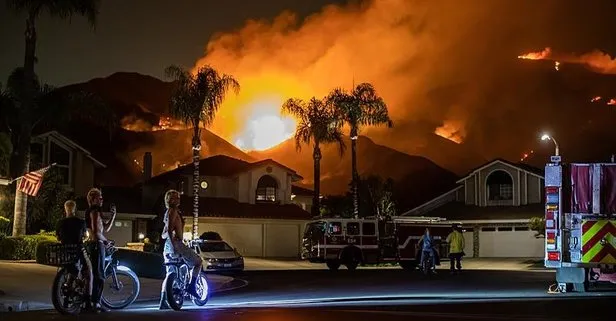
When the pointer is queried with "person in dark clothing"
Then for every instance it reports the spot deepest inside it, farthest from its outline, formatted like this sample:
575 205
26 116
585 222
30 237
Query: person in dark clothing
98 242
71 230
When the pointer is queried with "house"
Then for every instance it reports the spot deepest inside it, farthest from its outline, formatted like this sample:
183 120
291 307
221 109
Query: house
255 206
494 203
75 163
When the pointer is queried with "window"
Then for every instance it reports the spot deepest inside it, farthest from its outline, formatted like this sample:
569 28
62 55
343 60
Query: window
369 229
215 247
500 186
62 158
335 228
488 229
505 229
266 189
522 228
352 228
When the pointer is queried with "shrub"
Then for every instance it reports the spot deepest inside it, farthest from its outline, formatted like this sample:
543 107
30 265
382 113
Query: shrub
144 264
23 247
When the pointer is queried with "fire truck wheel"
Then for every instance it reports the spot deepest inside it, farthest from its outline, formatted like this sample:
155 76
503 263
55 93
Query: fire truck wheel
333 265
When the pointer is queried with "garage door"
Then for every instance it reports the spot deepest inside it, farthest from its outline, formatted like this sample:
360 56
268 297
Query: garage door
247 238
121 232
282 240
509 242
468 244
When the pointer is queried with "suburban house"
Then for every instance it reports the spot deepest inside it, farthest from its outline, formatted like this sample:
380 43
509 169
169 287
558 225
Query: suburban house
77 167
494 203
255 206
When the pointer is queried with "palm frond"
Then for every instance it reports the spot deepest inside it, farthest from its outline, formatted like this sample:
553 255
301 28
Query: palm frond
64 9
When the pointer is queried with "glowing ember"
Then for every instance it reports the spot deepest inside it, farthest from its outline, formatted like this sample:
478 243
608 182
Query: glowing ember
557 65
595 99
451 130
539 55
611 102
526 155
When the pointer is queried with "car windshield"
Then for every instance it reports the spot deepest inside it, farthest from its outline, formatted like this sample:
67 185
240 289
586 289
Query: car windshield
215 247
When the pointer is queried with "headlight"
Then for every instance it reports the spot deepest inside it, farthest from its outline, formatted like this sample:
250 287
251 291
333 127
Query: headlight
212 260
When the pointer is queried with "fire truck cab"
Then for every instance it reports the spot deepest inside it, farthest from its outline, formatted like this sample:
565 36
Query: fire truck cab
580 226
353 242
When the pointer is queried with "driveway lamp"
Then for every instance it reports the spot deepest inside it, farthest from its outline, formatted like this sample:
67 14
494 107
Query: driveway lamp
548 137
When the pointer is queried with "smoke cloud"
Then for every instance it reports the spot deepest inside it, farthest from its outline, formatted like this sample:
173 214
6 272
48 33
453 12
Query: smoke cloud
439 64
596 60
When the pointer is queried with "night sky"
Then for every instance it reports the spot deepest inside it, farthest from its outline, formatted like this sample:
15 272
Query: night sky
136 35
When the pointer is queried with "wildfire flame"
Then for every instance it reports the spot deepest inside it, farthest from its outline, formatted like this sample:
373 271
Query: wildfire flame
135 124
596 60
612 102
597 98
451 130
557 65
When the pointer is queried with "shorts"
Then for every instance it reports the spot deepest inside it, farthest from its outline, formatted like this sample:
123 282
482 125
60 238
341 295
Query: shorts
178 247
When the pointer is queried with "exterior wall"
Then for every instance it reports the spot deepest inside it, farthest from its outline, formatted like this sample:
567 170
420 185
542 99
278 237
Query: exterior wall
303 201
535 189
510 242
483 190
217 187
283 192
83 174
121 232
469 190
258 237
245 188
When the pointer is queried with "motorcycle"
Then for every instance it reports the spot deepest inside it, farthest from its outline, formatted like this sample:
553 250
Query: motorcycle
71 284
178 280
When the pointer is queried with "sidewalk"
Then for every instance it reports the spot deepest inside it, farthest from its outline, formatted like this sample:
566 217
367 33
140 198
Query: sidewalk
27 286
510 264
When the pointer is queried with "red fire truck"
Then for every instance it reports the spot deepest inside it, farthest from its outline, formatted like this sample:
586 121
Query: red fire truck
353 242
580 223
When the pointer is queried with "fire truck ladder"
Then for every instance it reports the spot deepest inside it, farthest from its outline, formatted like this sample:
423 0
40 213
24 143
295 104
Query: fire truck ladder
418 219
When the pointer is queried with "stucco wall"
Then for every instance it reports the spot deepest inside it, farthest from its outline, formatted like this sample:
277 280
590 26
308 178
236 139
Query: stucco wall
535 189
283 192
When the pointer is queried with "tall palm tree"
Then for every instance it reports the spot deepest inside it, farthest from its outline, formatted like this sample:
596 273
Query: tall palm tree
195 100
361 107
48 107
317 124
63 9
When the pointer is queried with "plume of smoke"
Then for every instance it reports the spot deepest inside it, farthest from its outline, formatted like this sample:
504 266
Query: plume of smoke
596 60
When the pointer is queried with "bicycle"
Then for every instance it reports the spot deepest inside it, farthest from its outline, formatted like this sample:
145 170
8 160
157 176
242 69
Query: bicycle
70 286
178 280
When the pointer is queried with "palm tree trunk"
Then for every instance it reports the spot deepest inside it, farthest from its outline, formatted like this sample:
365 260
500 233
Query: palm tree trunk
355 177
196 147
316 198
23 148
21 199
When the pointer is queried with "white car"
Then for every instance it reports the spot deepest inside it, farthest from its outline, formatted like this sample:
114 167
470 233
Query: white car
218 256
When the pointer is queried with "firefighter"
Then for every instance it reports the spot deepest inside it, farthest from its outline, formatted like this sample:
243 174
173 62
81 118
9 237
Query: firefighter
456 248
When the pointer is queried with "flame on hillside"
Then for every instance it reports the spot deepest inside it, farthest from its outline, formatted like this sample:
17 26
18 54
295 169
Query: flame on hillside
526 155
135 124
596 60
451 130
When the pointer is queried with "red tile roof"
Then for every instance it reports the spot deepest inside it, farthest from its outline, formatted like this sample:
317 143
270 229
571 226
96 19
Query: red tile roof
298 190
228 207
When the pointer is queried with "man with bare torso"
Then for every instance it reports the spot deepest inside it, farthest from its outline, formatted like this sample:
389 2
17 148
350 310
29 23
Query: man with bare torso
97 225
174 245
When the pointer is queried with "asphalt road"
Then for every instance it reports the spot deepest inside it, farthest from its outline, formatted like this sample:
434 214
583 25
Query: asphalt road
381 295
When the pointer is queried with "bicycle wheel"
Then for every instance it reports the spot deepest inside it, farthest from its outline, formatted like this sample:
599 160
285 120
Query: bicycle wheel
63 295
203 289
121 288
175 292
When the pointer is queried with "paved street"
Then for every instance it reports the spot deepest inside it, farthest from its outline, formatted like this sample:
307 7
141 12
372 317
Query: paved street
408 294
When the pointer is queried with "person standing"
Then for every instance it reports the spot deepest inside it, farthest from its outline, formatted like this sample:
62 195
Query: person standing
71 230
427 248
456 248
99 243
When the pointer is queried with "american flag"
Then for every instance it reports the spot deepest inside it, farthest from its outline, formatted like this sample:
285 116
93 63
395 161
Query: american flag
31 182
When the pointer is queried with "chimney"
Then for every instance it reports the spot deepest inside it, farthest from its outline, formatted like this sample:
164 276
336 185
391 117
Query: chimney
147 166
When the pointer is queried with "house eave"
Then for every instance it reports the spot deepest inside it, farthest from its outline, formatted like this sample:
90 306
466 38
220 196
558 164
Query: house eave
68 141
461 180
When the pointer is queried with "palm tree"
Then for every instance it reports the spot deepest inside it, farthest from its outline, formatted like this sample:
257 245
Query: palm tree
63 9
47 107
317 124
195 100
362 107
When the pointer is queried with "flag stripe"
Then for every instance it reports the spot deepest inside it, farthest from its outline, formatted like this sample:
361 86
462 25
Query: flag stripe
31 182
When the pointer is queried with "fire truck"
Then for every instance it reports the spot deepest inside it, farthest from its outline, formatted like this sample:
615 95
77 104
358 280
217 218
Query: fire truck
353 242
580 226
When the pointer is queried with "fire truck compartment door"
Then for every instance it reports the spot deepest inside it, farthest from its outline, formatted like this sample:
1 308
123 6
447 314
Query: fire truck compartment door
598 241
608 188
581 185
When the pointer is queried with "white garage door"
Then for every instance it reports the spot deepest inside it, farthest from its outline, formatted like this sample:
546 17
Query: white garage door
121 232
282 240
468 244
247 238
509 242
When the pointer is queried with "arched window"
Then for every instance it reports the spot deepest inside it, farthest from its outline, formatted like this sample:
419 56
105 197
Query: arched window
500 186
266 189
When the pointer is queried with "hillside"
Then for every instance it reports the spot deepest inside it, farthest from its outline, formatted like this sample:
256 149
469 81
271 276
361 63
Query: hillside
416 177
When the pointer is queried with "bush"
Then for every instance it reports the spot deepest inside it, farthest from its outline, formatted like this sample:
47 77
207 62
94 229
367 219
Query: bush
23 247
144 264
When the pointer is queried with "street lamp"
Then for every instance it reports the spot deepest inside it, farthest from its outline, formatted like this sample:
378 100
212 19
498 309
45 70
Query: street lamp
548 137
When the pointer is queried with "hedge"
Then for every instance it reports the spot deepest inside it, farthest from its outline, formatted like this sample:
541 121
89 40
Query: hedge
24 247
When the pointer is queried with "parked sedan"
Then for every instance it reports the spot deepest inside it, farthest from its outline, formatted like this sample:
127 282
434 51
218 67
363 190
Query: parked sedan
218 256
